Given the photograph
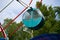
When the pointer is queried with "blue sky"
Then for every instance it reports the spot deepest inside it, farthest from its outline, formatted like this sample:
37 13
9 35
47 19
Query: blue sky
52 2
15 8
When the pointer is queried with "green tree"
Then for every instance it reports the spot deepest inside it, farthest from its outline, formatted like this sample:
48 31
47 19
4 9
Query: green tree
19 34
50 24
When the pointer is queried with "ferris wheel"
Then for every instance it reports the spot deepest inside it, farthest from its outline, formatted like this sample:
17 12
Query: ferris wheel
31 18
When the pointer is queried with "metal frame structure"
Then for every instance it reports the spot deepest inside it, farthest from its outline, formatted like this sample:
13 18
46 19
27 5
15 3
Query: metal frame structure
21 24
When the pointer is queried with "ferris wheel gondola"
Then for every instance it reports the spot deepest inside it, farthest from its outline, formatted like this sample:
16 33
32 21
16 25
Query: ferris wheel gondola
33 18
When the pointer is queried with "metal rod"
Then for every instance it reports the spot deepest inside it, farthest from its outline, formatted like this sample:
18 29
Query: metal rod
3 32
22 3
21 24
6 6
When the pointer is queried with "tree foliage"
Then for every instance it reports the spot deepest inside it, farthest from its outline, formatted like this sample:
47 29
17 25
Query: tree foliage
19 34
50 24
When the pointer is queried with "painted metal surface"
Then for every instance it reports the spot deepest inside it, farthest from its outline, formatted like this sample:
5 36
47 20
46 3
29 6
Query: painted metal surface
3 33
